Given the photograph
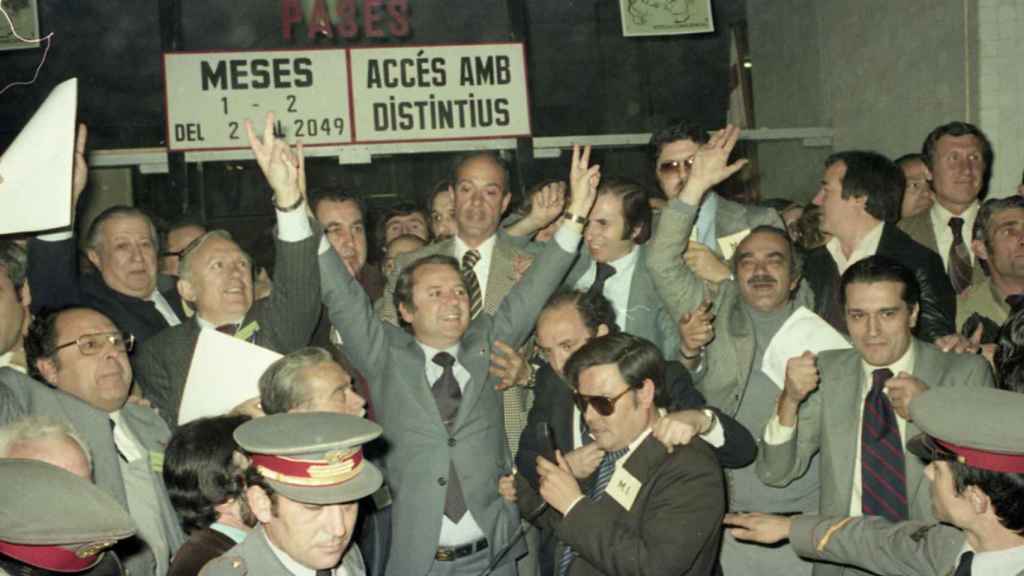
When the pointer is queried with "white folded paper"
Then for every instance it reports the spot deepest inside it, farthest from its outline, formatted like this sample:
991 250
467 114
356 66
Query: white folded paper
35 170
225 372
803 330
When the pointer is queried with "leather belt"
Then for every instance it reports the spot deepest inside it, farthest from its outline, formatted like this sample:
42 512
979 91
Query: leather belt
452 553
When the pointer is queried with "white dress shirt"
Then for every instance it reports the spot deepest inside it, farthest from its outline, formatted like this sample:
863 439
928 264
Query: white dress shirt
1009 562
944 235
616 288
867 247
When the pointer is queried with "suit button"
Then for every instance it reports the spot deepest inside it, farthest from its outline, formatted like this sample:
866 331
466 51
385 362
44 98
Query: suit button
441 481
451 441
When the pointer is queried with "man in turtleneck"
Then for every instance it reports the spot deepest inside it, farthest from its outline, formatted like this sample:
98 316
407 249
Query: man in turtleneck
723 342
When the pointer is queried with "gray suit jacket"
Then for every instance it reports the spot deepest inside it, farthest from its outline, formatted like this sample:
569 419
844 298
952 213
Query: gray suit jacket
253 557
286 321
919 227
828 423
421 447
875 544
646 315
729 359
732 217
21 396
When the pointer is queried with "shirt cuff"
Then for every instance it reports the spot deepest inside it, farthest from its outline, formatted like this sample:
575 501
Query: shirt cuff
568 238
775 433
56 236
293 226
716 436
573 505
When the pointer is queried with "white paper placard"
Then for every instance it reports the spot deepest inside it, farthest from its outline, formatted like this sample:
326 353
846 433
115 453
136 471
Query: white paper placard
803 331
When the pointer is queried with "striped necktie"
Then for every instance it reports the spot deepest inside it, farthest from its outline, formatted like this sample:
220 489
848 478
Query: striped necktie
959 266
476 303
883 466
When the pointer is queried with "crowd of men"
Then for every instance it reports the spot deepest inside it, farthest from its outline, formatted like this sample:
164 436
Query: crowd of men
581 386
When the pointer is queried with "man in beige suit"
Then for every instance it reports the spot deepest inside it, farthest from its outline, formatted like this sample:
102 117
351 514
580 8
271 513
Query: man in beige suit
958 157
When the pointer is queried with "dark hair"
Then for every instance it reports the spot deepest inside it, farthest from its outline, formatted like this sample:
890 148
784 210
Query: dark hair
636 358
14 262
988 209
96 227
908 158
252 477
406 282
796 259
636 207
881 269
674 133
809 228
441 185
1009 356
594 309
955 129
872 175
402 209
1004 489
462 159
335 194
41 341
199 469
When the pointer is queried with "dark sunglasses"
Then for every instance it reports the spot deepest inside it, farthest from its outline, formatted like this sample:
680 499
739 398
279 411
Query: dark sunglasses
602 404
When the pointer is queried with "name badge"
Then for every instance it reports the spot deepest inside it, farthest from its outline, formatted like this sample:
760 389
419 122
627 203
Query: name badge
623 488
728 244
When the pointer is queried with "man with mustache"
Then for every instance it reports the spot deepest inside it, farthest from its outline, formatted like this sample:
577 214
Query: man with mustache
216 278
723 342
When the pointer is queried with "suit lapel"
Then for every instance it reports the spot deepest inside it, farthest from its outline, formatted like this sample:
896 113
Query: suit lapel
501 276
843 407
474 355
927 367
419 388
729 219
641 295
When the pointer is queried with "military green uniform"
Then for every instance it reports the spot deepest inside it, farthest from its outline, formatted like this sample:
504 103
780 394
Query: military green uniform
254 557
982 299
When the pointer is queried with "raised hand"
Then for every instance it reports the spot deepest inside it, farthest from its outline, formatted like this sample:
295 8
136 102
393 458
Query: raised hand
705 263
801 379
583 181
547 204
711 164
508 365
680 428
901 389
696 330
584 460
282 168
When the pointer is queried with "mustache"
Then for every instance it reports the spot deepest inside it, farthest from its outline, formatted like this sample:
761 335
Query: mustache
761 279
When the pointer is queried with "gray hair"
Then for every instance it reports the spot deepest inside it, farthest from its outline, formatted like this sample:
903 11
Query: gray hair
14 262
37 429
95 235
185 265
281 385
990 208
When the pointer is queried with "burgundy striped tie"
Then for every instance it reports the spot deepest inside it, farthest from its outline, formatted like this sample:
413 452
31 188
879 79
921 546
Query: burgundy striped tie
882 472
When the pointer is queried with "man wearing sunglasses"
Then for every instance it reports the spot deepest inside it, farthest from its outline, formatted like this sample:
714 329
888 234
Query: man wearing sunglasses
83 359
569 320
646 509
976 475
672 150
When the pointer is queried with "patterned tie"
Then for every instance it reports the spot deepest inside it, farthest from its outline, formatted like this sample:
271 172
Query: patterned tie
964 567
604 475
476 303
447 395
959 259
882 475
604 271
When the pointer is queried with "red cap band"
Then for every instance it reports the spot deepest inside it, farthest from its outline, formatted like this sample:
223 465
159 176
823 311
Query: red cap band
337 467
56 558
994 461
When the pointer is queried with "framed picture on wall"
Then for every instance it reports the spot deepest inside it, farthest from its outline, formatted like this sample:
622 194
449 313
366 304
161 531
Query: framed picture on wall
665 17
24 15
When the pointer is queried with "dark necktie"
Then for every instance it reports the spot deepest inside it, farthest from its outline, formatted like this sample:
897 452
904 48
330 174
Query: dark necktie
228 329
882 475
1014 301
964 567
604 475
604 272
324 572
447 396
476 303
959 266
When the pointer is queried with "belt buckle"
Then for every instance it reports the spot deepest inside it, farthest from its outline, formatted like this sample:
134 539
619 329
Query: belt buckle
444 554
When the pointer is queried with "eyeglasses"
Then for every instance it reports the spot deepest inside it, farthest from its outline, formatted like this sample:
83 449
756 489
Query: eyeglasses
675 165
92 344
602 404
